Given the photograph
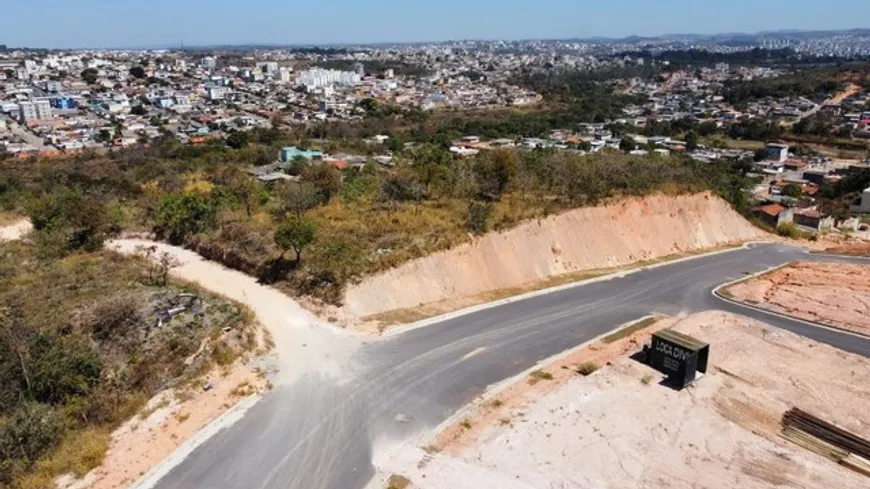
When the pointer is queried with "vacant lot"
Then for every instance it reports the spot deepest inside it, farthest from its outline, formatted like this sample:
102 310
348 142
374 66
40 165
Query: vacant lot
832 293
619 428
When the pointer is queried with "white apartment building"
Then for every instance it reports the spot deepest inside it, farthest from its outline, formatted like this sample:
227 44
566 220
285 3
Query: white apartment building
209 63
34 110
318 78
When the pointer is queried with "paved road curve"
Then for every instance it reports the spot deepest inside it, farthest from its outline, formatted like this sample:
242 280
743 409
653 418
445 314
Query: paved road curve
320 433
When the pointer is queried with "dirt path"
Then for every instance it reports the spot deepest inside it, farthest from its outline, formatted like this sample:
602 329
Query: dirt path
852 89
303 342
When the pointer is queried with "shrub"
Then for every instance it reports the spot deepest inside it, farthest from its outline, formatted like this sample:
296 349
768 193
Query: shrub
587 368
478 215
789 230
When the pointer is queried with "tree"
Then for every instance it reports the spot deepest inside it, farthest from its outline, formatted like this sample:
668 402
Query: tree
299 198
494 171
295 234
627 144
138 72
792 190
237 140
182 215
160 265
138 109
69 220
691 141
327 180
89 75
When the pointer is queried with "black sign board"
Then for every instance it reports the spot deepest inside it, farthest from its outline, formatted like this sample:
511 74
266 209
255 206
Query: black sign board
678 356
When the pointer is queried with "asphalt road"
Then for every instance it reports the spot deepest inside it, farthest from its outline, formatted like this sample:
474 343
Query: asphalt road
322 433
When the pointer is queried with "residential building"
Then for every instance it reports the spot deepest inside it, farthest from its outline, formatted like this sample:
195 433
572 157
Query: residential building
777 152
208 63
34 110
291 152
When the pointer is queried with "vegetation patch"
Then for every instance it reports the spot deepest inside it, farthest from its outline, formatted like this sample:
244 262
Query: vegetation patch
85 340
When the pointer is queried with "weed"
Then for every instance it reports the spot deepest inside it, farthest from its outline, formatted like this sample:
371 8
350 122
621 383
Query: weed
182 417
465 424
587 368
646 379
541 375
497 403
505 421
398 482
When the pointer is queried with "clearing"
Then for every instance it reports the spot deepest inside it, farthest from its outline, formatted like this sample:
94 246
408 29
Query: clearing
618 427
835 294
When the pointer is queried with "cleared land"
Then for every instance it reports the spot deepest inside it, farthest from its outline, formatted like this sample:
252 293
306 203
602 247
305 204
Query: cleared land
619 428
837 294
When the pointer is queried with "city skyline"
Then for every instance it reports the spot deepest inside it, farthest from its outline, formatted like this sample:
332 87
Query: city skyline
89 24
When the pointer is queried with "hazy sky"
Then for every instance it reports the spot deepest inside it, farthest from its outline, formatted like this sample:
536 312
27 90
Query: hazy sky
127 23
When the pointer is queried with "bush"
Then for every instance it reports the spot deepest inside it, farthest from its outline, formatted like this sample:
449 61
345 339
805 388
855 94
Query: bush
789 230
183 215
478 214
587 368
25 436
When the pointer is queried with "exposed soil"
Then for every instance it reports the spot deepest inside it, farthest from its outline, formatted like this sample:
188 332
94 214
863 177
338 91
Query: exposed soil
837 294
630 230
15 230
619 428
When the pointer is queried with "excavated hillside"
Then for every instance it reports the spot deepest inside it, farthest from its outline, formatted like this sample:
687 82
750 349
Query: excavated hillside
616 234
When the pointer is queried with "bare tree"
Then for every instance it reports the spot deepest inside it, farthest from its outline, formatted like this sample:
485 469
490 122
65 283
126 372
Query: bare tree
159 265
13 333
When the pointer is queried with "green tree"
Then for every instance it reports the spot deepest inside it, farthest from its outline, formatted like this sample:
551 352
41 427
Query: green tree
138 72
139 109
692 141
180 216
627 144
69 220
237 140
295 234
90 75
792 190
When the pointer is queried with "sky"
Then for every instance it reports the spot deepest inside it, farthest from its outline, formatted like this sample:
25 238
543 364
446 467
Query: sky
168 23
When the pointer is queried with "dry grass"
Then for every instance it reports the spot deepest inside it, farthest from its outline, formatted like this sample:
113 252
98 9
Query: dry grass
587 368
7 218
398 482
539 375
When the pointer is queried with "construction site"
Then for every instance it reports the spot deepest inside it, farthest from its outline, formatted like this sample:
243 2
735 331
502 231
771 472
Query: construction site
773 409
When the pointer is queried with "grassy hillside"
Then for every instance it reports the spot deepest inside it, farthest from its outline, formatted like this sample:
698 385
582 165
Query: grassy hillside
81 351
331 227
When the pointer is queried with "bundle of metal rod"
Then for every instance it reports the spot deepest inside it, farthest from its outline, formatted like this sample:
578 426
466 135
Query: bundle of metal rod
826 432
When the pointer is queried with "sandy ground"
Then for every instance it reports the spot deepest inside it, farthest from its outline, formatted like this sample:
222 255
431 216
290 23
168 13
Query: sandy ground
628 231
837 294
16 230
168 420
619 428
852 89
303 342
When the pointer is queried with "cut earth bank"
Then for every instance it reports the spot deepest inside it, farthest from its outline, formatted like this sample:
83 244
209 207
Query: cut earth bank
533 254
618 427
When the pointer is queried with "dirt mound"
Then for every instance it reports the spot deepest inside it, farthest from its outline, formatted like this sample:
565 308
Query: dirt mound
630 230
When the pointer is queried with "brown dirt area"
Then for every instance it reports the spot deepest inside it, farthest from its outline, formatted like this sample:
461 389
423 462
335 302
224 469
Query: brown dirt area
618 427
836 294
168 420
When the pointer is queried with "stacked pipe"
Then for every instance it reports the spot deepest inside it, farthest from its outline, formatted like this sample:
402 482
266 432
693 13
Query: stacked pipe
827 440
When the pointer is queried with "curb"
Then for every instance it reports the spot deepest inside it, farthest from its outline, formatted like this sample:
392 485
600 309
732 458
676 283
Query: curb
500 386
717 294
180 454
